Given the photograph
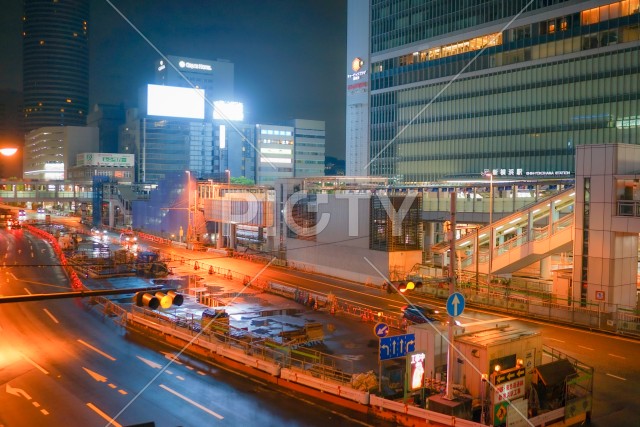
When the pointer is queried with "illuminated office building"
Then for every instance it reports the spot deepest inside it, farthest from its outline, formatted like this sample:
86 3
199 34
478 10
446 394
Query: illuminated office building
49 152
55 63
216 78
308 148
275 147
458 88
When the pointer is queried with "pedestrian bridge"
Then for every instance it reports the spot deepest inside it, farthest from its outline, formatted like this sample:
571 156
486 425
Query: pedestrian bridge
517 240
23 191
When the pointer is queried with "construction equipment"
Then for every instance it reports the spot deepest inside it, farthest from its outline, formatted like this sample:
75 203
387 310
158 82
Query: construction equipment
148 264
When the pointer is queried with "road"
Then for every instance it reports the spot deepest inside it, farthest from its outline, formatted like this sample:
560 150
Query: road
63 362
614 358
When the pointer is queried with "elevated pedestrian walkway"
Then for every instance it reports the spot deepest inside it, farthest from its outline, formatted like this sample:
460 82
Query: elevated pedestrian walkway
518 240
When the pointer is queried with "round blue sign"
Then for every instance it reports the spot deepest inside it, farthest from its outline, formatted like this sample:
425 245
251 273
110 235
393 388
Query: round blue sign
381 329
455 304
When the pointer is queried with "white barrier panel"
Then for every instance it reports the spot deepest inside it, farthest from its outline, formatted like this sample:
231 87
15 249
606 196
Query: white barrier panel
174 332
335 389
417 412
240 356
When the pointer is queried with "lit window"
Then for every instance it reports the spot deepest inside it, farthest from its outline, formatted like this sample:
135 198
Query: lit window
563 24
41 42
68 100
551 27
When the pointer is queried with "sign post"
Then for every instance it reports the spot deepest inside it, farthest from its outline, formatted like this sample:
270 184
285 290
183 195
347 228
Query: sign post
452 288
381 330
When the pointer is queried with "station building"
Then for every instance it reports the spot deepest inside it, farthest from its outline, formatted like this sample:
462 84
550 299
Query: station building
441 89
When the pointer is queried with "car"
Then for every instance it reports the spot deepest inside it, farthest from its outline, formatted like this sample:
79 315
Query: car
100 233
41 210
22 215
128 237
420 314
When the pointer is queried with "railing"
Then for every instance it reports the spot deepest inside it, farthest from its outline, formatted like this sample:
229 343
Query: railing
628 208
535 299
512 243
562 223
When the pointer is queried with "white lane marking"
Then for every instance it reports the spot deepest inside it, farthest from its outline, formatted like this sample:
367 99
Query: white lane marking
554 339
96 376
615 355
17 392
171 357
150 363
51 315
617 377
40 368
179 377
100 352
586 348
106 417
196 404
27 291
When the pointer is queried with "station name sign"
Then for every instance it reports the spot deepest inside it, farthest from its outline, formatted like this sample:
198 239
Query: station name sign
105 159
522 172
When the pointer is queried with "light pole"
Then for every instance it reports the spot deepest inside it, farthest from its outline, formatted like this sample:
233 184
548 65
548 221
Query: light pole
188 205
490 198
491 239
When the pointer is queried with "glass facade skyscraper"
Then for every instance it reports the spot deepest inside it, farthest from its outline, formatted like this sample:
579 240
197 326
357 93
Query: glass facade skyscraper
55 63
461 87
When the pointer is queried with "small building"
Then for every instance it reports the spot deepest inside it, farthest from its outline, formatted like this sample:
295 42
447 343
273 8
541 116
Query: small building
49 152
117 167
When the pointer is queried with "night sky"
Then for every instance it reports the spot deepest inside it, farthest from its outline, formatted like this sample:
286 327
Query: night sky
289 55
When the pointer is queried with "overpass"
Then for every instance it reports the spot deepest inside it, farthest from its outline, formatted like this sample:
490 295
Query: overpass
39 192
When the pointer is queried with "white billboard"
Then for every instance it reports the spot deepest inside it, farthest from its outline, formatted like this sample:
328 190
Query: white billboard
173 101
228 110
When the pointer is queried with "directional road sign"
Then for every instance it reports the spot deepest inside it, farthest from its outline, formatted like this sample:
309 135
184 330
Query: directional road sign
397 346
455 304
381 329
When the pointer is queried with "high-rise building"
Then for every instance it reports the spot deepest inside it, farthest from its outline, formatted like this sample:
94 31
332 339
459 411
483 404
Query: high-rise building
55 63
107 118
512 87
214 77
274 159
308 148
357 124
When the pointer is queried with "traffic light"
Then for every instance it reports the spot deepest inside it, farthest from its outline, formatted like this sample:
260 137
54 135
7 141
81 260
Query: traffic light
398 285
160 299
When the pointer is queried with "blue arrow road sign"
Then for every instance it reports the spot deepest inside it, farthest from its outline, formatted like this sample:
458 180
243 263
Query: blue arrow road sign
397 346
381 329
455 304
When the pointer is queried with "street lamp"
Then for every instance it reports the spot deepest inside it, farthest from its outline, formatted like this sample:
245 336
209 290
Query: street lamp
8 151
